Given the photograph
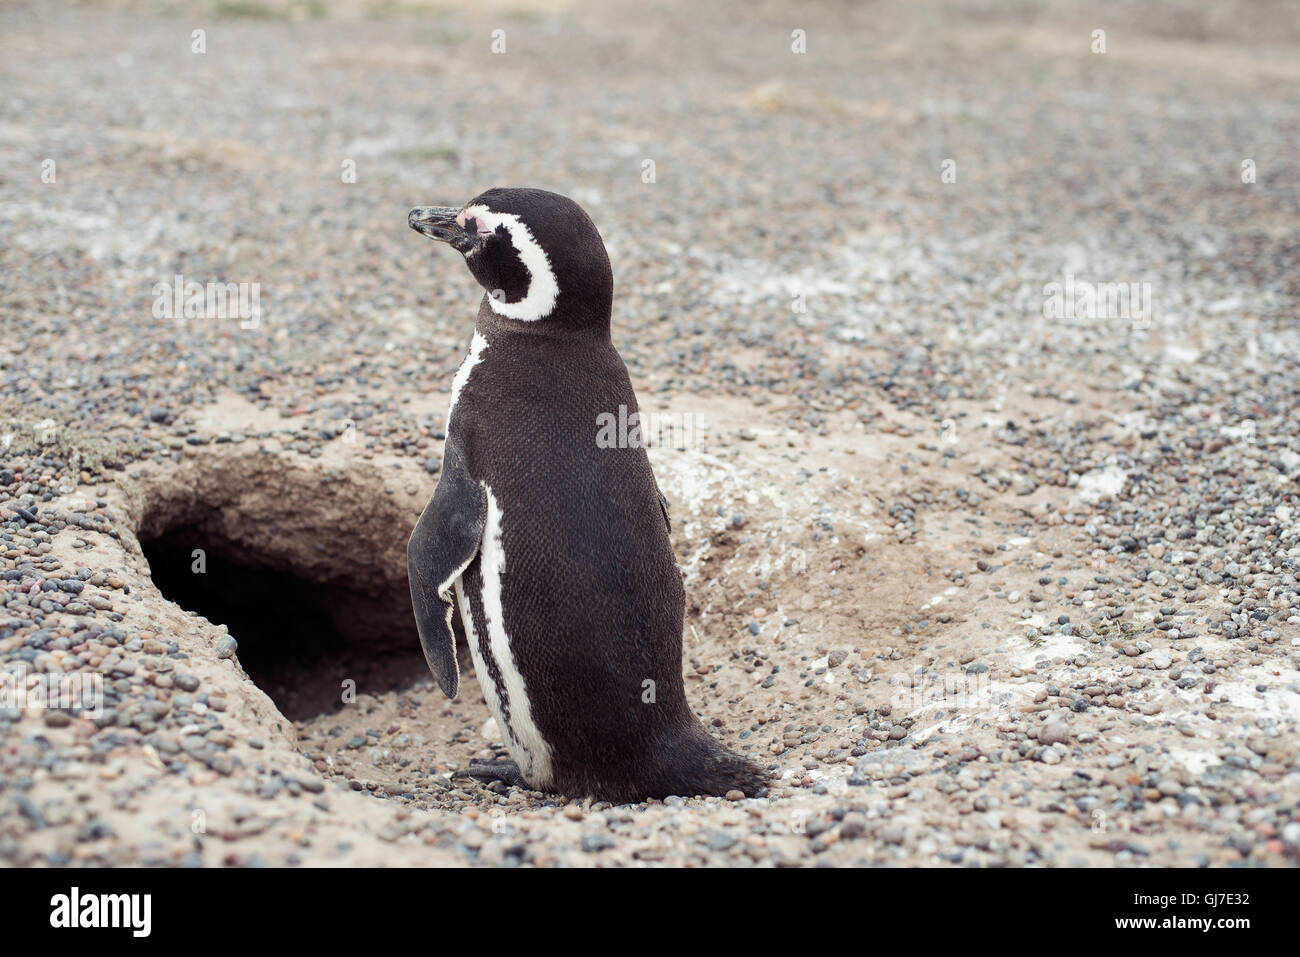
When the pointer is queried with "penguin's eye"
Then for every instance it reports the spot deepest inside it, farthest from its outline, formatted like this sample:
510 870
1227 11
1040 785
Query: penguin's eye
473 224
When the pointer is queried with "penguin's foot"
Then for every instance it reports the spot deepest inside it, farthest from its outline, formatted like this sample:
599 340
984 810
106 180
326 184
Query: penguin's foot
507 772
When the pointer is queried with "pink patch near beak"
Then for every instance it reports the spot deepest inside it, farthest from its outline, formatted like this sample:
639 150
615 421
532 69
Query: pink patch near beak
483 230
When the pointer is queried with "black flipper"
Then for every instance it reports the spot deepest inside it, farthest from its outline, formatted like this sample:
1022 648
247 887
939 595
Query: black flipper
443 543
663 504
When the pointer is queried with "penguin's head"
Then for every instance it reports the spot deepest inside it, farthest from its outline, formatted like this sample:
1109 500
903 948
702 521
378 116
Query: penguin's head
537 254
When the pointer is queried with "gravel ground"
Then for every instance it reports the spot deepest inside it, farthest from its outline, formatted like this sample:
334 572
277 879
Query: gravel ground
982 583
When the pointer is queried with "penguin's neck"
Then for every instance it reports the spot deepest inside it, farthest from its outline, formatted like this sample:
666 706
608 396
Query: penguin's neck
494 327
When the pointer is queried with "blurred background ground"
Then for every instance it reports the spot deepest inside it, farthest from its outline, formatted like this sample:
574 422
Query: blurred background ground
983 584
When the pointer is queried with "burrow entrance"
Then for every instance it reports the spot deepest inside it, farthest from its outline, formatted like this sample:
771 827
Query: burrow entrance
306 568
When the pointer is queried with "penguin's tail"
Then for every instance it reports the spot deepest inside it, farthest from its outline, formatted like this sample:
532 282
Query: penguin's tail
698 764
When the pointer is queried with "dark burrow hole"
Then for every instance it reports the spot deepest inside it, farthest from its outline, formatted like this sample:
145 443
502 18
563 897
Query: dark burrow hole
299 639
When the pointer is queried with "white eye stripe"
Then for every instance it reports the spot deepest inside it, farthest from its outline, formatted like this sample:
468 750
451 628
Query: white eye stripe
543 290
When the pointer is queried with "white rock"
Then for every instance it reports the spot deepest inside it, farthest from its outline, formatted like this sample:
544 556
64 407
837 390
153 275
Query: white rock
1097 484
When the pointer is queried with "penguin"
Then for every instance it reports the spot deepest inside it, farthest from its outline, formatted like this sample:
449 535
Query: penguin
550 550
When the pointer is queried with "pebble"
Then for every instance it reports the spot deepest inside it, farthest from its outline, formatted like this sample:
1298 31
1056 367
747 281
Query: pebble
1054 732
595 842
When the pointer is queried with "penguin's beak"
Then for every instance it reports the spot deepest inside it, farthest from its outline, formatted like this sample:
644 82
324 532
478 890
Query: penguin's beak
437 222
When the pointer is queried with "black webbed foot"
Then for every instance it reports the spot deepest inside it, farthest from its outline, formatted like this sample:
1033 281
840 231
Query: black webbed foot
507 772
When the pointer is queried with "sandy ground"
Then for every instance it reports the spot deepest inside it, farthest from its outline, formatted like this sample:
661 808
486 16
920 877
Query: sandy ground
980 583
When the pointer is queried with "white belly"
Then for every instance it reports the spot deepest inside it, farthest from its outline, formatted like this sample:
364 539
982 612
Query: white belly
522 737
